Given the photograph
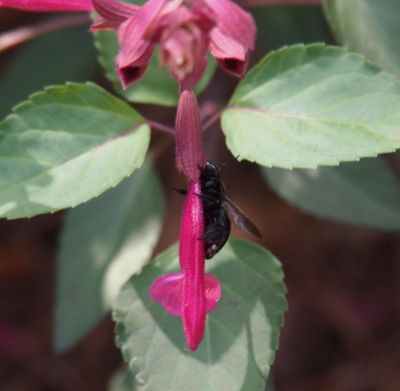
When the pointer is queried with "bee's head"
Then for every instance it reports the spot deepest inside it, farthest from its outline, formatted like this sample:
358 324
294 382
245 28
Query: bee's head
212 169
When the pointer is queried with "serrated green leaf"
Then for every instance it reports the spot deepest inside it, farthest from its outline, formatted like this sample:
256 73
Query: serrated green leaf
65 146
364 193
103 243
369 27
124 380
241 334
305 106
156 86
55 58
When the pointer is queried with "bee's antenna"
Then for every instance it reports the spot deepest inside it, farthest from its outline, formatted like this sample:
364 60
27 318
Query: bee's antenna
229 161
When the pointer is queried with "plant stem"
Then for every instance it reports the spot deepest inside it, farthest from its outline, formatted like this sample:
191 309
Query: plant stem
161 127
212 121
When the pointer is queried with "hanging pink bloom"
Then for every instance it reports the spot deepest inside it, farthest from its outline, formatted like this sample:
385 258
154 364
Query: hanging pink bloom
184 31
183 34
49 5
190 294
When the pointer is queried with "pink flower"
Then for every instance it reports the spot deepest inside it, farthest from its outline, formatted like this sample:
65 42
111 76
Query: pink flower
190 294
184 31
49 5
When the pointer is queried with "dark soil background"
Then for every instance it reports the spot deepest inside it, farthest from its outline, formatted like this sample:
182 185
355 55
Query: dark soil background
341 332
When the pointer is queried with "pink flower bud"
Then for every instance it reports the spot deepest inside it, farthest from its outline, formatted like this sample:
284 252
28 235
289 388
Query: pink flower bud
188 136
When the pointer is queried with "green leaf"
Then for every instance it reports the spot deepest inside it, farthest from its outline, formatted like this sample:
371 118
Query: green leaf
103 243
241 334
123 380
369 27
65 146
156 86
51 59
304 106
364 193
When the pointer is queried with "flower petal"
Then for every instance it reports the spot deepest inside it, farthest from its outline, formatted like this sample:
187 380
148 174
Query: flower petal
114 10
192 260
230 54
167 289
212 289
136 48
190 81
49 5
234 22
130 73
102 24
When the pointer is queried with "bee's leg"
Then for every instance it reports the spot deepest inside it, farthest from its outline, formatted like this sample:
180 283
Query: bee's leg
180 191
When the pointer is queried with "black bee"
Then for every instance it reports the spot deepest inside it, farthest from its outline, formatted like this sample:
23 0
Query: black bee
219 211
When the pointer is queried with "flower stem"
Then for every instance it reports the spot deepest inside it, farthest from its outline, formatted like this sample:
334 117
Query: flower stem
212 121
163 128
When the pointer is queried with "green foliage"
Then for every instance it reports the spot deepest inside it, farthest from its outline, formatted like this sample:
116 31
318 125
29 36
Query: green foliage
369 27
365 192
305 106
103 243
280 26
241 334
65 146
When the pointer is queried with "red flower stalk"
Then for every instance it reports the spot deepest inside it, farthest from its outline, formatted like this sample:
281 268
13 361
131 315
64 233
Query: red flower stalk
190 294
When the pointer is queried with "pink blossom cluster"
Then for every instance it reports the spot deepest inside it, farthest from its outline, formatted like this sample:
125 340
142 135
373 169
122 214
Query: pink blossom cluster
184 30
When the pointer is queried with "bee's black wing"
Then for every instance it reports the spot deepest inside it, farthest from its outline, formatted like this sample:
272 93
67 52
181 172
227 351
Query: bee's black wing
239 218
